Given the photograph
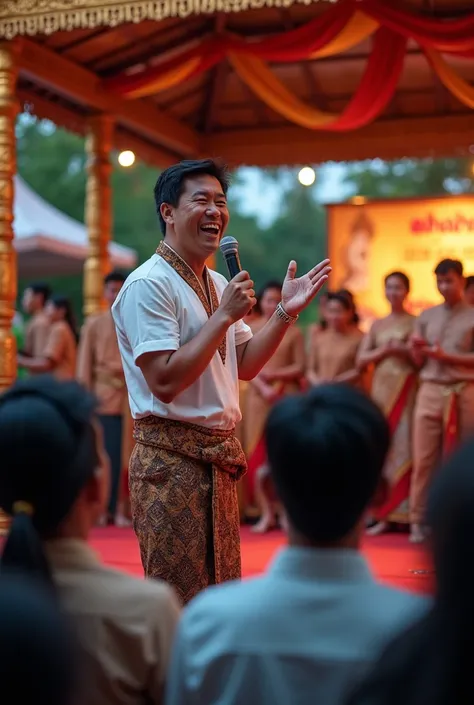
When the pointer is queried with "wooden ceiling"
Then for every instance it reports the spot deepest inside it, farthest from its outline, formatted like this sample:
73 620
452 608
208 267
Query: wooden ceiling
217 113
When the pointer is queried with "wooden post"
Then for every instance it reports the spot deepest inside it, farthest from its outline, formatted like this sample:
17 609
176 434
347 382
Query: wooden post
98 211
8 269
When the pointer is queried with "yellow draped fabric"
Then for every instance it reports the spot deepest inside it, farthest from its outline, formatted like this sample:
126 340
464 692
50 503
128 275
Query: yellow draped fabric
268 88
359 28
448 76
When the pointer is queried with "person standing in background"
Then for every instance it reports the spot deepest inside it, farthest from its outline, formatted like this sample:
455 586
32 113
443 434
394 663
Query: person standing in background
37 329
332 352
59 353
469 290
281 375
443 346
394 382
99 369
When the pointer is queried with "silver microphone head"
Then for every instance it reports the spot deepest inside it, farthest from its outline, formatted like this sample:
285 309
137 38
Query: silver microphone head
229 245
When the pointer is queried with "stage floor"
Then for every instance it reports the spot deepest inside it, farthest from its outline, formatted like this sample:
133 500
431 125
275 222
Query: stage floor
393 559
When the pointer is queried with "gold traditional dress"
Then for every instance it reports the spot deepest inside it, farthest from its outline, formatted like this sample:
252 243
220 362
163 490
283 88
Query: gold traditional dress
332 354
394 385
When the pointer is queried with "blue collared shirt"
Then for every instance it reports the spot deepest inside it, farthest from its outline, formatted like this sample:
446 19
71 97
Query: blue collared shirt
304 633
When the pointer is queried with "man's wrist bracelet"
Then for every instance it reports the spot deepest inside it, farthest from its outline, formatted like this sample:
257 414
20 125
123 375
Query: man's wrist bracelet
284 316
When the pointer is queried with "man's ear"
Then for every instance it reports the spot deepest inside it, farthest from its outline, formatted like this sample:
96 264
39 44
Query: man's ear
167 213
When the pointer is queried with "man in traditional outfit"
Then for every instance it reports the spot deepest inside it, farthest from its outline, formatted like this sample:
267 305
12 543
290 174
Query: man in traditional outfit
37 329
443 345
99 368
184 346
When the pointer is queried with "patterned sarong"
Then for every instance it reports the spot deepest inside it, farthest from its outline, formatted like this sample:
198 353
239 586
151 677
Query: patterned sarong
183 493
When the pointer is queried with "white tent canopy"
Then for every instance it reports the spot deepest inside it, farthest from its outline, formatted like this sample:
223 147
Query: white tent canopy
50 243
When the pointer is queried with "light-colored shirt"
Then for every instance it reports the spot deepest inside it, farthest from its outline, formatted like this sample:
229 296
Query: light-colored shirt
125 626
453 329
305 632
61 348
157 311
99 365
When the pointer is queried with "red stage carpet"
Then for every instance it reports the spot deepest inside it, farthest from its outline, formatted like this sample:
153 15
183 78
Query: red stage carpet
392 558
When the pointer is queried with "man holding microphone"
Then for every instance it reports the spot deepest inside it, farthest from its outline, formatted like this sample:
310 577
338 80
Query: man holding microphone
184 347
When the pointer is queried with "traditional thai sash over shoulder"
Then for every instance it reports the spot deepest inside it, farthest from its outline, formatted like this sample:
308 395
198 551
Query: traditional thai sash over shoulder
207 296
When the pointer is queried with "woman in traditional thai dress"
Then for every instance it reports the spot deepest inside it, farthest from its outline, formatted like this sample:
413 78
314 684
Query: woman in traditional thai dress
282 375
332 355
394 383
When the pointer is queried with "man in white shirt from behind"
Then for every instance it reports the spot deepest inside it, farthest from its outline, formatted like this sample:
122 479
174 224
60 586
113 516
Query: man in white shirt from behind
307 631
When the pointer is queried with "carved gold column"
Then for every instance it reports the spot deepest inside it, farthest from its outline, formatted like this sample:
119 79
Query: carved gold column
98 210
8 271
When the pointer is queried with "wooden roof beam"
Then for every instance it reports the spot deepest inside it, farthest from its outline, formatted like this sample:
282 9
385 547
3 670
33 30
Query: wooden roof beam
76 122
387 139
43 66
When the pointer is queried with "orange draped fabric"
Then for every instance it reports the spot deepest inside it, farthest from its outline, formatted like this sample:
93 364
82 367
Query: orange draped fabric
341 27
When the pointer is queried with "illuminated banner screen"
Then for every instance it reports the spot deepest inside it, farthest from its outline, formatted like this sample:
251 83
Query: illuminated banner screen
369 239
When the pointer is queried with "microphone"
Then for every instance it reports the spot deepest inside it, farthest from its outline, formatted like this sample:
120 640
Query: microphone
230 251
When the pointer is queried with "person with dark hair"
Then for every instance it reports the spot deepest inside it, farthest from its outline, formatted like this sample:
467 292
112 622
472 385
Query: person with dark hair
34 301
431 663
349 295
332 352
54 484
99 368
283 374
37 655
443 346
59 352
469 290
184 347
394 384
307 631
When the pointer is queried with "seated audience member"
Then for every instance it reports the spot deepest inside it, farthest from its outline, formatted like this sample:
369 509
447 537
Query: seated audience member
307 631
37 657
54 485
431 662
469 290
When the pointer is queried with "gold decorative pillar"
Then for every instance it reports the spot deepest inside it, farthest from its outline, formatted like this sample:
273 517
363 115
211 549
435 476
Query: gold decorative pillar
8 270
98 210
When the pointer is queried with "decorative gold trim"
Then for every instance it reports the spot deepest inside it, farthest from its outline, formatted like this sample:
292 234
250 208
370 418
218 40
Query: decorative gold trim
29 17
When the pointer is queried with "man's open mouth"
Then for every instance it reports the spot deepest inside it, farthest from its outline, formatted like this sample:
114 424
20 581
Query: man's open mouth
211 228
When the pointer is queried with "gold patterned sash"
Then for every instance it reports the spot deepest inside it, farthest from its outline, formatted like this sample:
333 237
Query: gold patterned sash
208 298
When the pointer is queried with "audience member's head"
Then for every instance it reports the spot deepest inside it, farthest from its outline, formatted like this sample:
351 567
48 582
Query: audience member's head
36 651
469 290
54 473
35 297
450 280
430 664
113 282
326 451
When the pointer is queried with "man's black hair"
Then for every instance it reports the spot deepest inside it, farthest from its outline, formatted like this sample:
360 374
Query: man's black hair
449 265
169 187
41 288
115 276
326 451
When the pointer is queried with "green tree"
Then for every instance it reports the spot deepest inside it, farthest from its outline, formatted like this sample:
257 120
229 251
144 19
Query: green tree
408 177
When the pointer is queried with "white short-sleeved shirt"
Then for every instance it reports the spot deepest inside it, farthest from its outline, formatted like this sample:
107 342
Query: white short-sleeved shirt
156 310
